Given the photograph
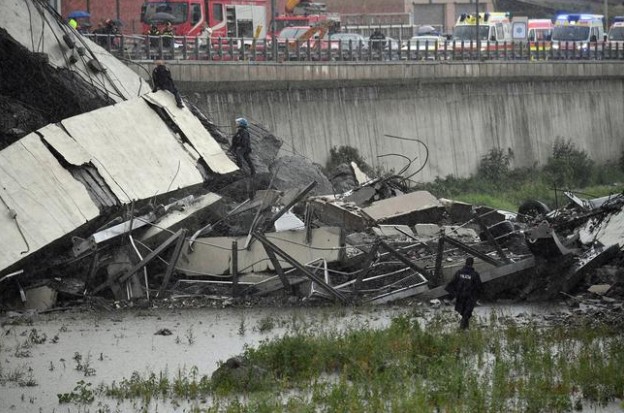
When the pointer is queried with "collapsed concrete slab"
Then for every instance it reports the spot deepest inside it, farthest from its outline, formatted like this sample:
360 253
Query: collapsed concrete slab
213 256
411 208
41 200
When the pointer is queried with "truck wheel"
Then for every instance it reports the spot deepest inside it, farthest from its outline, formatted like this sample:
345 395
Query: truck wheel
531 209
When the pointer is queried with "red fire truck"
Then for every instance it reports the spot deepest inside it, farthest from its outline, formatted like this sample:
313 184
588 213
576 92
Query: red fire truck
225 18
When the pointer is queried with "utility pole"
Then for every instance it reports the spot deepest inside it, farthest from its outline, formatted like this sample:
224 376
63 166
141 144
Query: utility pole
273 29
606 14
478 36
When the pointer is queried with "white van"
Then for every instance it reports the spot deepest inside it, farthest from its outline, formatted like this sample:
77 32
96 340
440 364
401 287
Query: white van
578 32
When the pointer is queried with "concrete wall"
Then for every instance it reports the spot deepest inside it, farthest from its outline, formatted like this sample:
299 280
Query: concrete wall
459 111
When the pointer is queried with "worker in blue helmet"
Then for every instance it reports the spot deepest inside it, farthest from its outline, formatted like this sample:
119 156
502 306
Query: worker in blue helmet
241 145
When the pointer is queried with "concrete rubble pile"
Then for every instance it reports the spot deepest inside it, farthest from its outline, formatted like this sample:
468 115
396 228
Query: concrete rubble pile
120 195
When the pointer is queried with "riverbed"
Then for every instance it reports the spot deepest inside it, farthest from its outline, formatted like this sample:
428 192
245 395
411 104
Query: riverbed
42 355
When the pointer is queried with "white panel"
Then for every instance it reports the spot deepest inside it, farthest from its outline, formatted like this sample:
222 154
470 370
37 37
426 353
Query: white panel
48 201
65 145
138 156
213 255
192 128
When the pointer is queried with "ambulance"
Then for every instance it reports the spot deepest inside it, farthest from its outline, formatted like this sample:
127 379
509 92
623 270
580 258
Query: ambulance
615 38
493 27
580 32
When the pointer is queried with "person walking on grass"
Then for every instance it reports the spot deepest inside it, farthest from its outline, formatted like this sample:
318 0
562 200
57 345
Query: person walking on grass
465 287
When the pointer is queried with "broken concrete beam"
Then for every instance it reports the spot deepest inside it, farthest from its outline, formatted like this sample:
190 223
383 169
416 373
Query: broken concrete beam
185 213
587 261
415 207
394 231
458 211
493 273
608 230
341 214
212 255
399 294
361 196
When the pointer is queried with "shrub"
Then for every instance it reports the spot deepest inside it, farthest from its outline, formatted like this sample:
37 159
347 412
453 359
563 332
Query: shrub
346 154
494 166
568 166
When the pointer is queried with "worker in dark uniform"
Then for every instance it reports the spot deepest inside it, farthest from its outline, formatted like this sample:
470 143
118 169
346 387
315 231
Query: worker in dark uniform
241 145
378 40
167 35
161 76
465 287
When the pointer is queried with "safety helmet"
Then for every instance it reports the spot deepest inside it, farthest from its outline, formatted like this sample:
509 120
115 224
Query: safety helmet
241 122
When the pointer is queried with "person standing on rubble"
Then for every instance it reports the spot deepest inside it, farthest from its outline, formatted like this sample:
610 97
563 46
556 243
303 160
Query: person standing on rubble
241 145
161 76
465 287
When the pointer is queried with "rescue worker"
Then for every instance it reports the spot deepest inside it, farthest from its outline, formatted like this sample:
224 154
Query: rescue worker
153 35
153 30
241 145
378 40
167 35
161 76
465 287
73 23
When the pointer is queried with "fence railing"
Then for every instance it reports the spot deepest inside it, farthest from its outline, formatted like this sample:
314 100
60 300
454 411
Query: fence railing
136 47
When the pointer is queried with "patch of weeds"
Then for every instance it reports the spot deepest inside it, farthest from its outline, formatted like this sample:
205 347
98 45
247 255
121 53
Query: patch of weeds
55 339
82 394
84 365
35 338
190 336
22 376
266 324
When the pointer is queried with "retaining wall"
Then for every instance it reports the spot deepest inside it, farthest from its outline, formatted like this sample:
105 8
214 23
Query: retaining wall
447 114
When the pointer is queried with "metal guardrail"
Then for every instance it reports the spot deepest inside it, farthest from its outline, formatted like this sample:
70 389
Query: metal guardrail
137 47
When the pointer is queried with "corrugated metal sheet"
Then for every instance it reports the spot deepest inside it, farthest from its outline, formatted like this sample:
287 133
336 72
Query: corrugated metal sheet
129 144
194 131
48 201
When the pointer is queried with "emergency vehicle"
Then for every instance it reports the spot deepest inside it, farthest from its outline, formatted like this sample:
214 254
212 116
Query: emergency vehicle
577 31
540 30
493 27
539 34
223 18
615 38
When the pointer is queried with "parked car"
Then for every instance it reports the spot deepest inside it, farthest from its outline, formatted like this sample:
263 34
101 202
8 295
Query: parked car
389 43
428 47
422 43
355 40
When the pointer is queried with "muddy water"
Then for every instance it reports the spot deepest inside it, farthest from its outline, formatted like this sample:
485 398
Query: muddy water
113 345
